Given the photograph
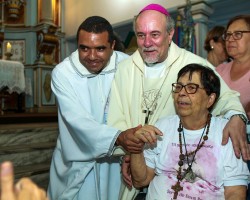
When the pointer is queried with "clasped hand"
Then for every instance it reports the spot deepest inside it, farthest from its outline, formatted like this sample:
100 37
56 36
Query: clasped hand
133 140
142 135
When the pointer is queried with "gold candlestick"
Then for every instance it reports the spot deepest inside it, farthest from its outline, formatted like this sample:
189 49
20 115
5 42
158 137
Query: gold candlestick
8 55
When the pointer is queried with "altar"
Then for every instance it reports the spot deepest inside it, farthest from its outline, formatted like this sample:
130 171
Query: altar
12 80
12 76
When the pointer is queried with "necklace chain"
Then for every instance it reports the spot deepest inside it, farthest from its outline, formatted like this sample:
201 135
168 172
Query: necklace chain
189 174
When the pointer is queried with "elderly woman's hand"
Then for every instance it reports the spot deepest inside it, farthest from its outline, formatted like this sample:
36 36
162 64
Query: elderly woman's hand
148 134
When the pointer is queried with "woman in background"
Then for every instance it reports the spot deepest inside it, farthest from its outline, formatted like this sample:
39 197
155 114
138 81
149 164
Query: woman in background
237 72
215 46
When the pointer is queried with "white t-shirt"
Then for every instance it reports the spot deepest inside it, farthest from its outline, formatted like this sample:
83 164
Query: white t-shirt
156 70
215 166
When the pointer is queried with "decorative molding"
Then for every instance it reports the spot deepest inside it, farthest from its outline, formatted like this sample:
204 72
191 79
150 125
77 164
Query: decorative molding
48 97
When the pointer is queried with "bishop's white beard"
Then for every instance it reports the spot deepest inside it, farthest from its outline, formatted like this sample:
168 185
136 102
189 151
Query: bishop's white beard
150 59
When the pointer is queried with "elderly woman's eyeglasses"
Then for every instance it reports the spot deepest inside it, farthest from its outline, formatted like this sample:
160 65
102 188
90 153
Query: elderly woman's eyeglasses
237 35
190 88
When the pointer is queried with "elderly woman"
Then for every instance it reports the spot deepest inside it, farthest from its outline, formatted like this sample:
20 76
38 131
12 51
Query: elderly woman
188 161
237 73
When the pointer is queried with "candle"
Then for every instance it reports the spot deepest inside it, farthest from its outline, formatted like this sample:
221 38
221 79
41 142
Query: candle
8 48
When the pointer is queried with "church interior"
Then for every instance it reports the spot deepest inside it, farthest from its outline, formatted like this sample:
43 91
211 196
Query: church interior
36 35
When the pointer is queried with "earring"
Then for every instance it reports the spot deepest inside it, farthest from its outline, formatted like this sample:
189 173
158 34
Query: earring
212 47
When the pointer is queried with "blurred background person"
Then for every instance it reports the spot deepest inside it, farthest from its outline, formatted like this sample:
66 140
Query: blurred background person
215 46
237 72
24 189
119 46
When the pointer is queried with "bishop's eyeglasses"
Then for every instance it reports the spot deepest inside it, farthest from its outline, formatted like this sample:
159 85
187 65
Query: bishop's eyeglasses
237 35
190 88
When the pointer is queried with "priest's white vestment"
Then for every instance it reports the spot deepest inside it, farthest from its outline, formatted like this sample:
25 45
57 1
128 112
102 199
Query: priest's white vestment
82 167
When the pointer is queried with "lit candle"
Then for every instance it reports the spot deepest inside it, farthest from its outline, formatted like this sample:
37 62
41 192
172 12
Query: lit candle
8 48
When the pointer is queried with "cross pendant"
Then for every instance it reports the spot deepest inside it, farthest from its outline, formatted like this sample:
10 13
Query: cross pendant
148 112
177 188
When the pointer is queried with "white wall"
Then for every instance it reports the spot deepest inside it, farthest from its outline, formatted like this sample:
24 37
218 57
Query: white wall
120 13
116 11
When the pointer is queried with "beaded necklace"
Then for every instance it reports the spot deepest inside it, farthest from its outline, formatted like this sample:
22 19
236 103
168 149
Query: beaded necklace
189 175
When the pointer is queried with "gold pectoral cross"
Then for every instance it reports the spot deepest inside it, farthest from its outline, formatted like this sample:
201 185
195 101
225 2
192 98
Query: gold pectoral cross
177 188
148 112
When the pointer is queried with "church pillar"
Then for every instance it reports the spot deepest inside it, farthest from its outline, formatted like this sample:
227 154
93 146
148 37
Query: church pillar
47 11
200 12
